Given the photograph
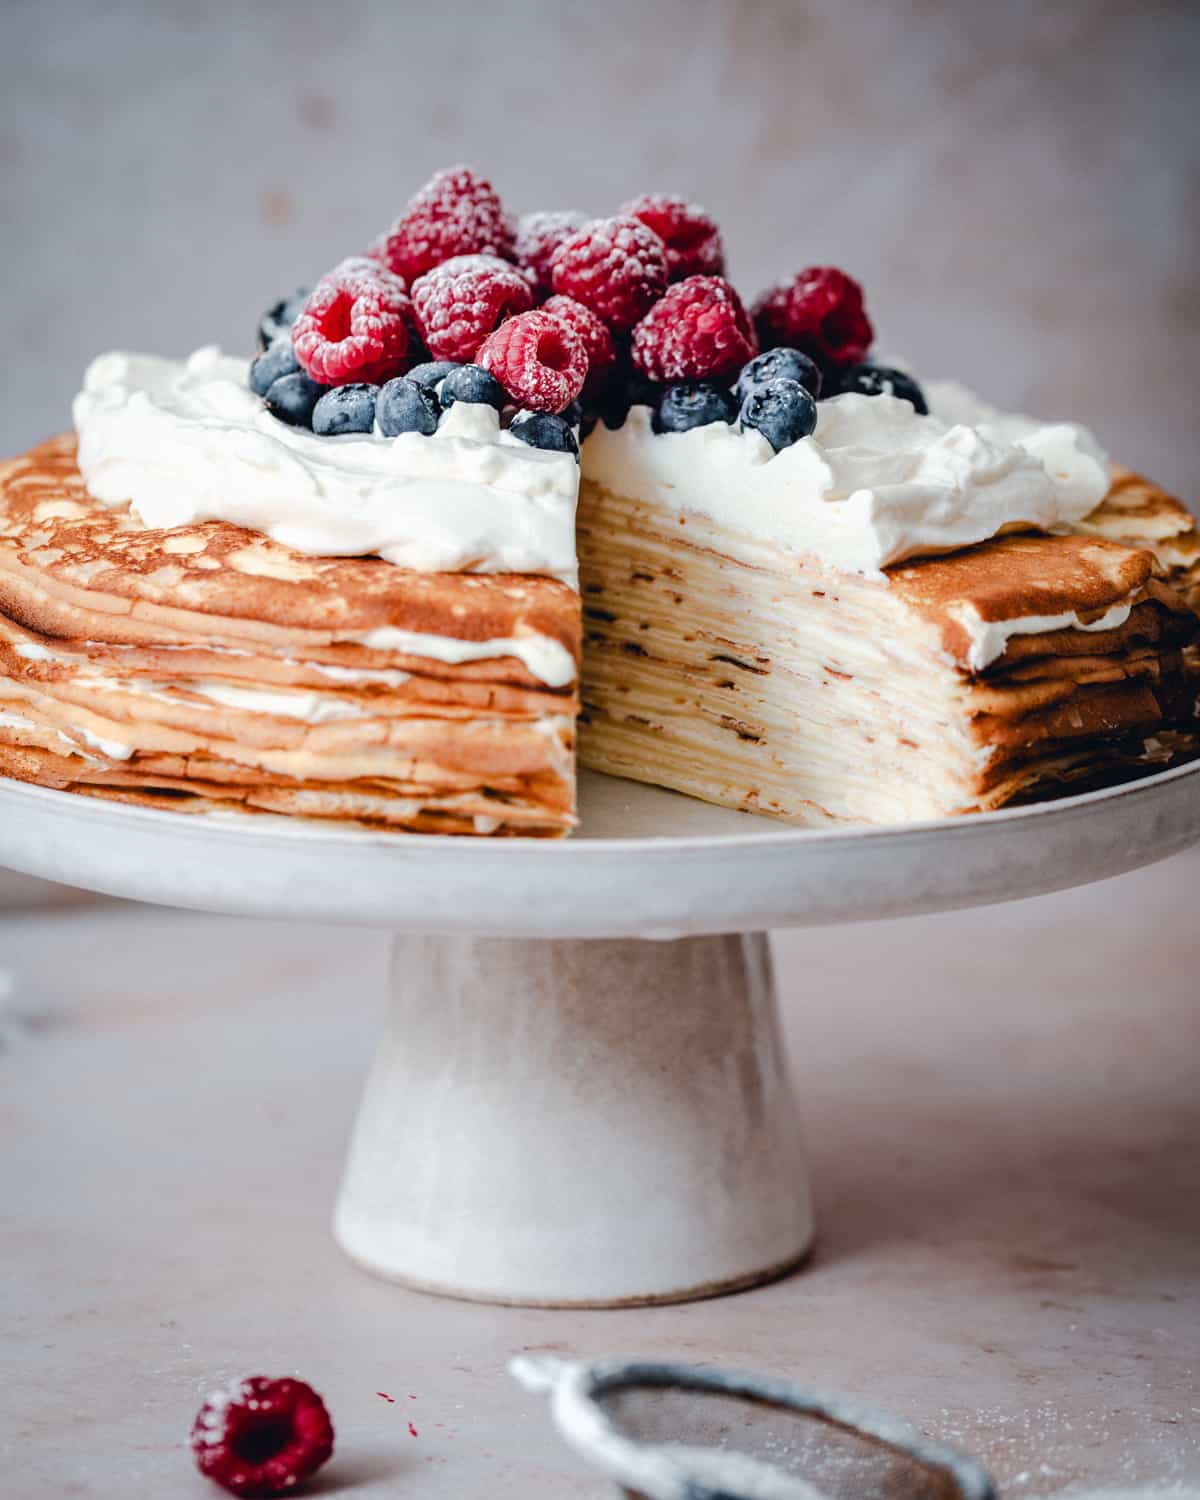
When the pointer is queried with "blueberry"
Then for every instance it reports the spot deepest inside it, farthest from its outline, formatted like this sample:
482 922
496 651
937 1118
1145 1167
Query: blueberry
279 319
779 364
631 389
346 408
693 403
472 384
882 380
572 413
429 375
279 359
540 429
406 406
291 398
783 411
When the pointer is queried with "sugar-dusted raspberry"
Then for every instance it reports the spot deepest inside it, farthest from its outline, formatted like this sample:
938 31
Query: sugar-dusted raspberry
354 326
698 331
595 337
457 212
262 1437
819 311
539 361
617 267
538 236
688 231
461 301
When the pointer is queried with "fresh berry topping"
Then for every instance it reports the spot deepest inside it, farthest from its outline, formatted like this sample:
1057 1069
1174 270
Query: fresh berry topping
690 234
538 360
595 337
625 389
432 373
779 364
882 380
457 212
261 1436
472 384
782 411
279 359
693 403
541 429
699 330
279 319
819 311
404 406
459 303
346 408
538 237
617 267
572 413
291 398
354 326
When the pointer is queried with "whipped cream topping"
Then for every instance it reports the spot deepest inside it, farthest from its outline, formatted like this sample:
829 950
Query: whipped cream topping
875 484
189 441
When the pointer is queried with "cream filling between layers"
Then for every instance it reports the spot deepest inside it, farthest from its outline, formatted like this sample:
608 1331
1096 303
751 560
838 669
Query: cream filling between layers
768 685
990 638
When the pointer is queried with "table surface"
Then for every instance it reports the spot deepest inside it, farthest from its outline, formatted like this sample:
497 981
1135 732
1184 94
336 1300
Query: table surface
1004 1126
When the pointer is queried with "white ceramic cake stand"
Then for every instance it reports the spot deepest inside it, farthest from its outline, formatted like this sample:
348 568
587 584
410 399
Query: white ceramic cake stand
561 1111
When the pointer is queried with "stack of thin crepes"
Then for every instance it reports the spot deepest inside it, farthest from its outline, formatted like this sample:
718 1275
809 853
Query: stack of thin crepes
722 667
207 667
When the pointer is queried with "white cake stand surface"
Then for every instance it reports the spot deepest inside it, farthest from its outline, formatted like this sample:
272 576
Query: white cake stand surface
567 1109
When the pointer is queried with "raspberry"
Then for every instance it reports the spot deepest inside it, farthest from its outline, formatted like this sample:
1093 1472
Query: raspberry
698 331
262 1436
354 326
457 212
539 361
616 267
538 237
461 301
819 311
690 234
597 341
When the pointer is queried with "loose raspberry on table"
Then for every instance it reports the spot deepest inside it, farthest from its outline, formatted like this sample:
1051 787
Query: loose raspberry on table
819 311
354 326
595 337
538 237
699 330
261 1436
539 361
461 301
688 231
457 212
616 267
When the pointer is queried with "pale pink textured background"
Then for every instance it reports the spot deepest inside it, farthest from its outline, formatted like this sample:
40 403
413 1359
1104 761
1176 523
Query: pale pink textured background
1018 185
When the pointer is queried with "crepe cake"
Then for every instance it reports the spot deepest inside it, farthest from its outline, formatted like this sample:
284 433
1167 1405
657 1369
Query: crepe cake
208 667
340 581
723 665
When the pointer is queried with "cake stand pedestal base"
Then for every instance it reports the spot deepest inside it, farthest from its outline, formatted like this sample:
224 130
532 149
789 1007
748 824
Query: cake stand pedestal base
578 1123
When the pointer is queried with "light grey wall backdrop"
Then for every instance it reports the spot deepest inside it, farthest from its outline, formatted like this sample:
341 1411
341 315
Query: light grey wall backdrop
1017 184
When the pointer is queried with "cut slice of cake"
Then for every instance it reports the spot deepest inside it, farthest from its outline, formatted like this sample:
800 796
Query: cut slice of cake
735 663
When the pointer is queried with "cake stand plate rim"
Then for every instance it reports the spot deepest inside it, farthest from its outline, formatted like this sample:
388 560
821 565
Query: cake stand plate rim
725 878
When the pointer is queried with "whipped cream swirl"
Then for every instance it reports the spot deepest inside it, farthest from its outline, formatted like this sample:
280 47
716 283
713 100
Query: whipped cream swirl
189 441
876 483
